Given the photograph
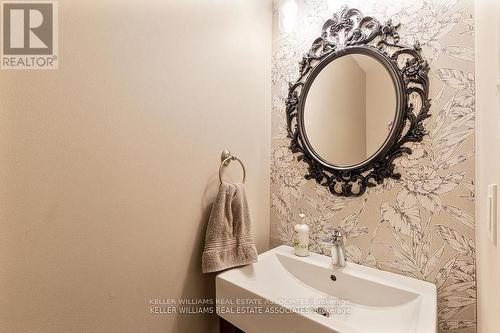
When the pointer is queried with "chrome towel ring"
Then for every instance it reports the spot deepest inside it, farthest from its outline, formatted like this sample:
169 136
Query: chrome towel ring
226 157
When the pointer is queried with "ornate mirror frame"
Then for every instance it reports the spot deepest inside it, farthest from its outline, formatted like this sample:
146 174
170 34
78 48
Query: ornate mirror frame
350 32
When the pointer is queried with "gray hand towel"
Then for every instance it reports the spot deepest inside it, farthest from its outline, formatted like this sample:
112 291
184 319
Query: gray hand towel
228 240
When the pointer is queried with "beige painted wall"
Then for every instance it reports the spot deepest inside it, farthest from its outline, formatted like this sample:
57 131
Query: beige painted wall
109 164
488 148
335 114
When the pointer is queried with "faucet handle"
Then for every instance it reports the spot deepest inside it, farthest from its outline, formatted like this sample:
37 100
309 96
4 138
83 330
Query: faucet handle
337 236
335 240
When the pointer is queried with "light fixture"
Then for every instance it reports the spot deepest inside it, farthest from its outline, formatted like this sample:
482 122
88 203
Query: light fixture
288 15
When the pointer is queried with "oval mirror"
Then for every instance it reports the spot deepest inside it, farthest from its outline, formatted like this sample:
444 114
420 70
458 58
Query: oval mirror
360 99
350 110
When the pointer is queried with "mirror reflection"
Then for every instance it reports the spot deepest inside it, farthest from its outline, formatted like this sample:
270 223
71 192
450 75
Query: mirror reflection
350 110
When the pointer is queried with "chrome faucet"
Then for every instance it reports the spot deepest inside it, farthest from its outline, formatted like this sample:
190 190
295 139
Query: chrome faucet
336 248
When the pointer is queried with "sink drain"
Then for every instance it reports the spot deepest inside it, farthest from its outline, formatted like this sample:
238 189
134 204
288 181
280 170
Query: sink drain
322 311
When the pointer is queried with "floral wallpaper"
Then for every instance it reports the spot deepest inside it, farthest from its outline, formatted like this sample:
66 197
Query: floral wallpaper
423 225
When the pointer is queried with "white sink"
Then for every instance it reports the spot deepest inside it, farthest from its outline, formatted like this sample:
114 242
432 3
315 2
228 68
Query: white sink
286 293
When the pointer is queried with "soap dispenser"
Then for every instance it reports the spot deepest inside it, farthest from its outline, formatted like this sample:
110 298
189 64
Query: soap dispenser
301 240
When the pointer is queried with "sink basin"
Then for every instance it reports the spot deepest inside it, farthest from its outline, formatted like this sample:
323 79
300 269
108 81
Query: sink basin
286 293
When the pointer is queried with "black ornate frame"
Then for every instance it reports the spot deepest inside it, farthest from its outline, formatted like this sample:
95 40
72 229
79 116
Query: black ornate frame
346 33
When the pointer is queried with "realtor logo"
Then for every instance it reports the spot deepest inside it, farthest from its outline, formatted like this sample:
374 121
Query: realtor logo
29 34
